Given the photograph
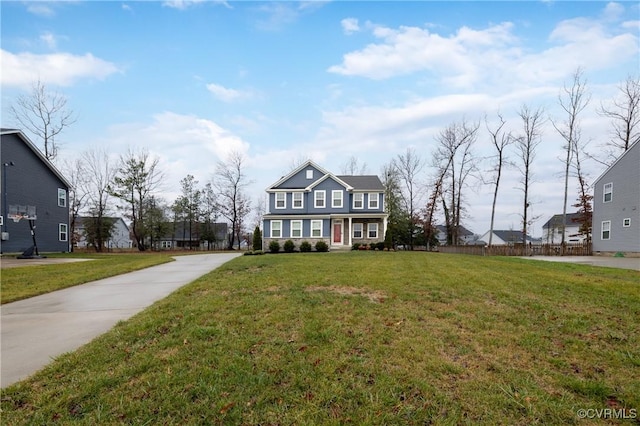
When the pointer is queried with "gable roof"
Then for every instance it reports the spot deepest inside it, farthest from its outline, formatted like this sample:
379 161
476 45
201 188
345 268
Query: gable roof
332 177
363 182
37 152
556 220
634 145
296 170
462 231
510 235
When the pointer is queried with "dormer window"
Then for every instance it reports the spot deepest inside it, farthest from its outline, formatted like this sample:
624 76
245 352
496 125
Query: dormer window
310 174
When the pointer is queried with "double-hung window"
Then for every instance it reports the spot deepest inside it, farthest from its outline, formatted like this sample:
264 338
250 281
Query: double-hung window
276 229
319 197
296 229
62 197
607 195
63 232
372 230
297 198
357 230
358 200
606 230
336 199
281 200
316 229
373 200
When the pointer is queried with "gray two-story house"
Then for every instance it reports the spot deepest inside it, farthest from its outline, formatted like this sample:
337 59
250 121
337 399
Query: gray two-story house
31 182
311 204
616 206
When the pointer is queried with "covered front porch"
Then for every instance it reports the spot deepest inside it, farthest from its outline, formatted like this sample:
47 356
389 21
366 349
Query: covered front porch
346 230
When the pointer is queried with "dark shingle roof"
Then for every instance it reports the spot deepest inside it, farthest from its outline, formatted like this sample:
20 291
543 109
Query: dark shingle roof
363 182
556 220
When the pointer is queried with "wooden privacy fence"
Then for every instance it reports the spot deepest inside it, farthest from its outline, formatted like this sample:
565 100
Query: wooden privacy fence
582 249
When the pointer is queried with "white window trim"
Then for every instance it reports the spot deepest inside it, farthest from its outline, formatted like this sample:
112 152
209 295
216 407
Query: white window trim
62 197
354 200
66 232
368 229
291 229
605 192
271 228
310 174
607 224
284 205
316 199
333 203
312 228
361 230
377 198
626 222
293 202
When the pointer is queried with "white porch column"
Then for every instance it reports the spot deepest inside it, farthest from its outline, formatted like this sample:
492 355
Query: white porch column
350 232
384 228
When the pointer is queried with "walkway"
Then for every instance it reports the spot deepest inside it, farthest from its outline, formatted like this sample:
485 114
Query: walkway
36 330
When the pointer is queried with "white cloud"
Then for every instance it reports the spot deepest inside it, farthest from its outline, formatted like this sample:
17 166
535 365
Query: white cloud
180 4
350 25
494 56
184 144
227 95
49 39
40 9
62 69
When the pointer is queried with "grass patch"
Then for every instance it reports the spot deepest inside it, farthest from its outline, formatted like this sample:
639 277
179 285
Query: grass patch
28 281
357 338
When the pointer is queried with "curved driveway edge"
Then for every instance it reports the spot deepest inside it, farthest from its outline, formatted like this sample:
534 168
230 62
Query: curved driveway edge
38 329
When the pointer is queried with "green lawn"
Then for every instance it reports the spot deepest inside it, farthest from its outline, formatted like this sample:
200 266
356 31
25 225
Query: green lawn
358 338
28 281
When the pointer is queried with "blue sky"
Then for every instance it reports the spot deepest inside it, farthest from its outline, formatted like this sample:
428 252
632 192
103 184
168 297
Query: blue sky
283 81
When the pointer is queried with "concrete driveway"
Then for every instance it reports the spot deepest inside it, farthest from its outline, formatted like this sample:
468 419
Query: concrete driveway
607 261
36 330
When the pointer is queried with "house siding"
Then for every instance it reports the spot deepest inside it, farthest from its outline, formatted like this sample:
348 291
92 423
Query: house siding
625 204
331 216
31 182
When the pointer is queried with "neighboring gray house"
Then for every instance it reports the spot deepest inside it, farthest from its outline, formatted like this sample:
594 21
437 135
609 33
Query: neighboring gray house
120 235
312 204
464 235
616 206
29 179
183 235
502 237
552 229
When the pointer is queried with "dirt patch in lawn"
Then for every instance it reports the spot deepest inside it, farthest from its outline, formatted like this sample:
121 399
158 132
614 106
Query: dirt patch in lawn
373 296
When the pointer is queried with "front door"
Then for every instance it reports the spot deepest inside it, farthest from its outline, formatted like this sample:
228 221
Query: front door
337 232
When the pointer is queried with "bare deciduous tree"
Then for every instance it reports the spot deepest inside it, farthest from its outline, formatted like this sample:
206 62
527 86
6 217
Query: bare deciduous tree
573 100
74 171
624 113
455 161
408 167
44 114
500 140
99 173
352 166
526 144
230 181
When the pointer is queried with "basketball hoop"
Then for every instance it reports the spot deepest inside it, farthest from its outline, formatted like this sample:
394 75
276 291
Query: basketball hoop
18 212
